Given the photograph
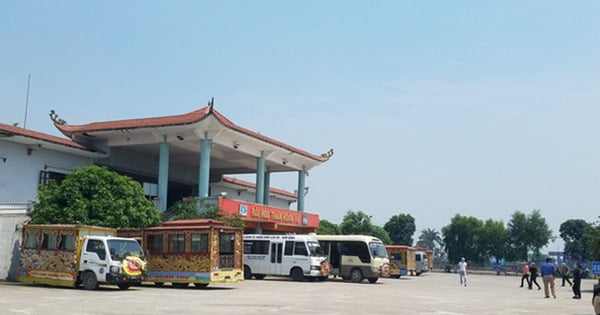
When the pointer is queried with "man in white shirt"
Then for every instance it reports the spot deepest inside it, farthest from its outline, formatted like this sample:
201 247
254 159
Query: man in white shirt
462 271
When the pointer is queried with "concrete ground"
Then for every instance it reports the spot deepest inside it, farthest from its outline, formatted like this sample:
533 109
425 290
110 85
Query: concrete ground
430 293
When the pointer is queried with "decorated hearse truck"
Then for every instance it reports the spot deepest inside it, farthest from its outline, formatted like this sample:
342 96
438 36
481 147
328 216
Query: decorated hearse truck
73 255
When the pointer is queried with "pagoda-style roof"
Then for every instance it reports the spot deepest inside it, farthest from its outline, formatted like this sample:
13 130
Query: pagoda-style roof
234 148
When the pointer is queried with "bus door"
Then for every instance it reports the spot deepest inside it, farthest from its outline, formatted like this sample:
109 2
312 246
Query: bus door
276 267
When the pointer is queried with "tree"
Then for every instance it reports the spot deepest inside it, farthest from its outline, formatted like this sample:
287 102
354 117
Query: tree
430 238
574 233
593 232
360 223
94 195
327 228
527 233
461 238
493 240
401 228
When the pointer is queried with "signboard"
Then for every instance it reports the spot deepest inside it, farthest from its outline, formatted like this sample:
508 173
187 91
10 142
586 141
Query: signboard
596 268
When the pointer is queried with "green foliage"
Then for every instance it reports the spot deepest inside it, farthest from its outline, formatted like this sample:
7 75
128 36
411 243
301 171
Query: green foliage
190 210
401 228
360 223
593 234
327 228
461 239
430 238
93 195
493 240
573 232
527 233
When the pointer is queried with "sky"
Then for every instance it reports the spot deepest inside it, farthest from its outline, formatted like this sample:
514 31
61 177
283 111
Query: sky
433 108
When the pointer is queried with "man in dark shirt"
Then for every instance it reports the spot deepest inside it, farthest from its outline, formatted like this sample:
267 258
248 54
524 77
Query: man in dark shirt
548 271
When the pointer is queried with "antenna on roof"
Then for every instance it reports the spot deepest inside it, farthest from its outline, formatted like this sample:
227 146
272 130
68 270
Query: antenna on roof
27 101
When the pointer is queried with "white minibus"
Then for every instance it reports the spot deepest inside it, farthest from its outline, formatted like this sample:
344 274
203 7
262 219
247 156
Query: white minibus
296 256
355 257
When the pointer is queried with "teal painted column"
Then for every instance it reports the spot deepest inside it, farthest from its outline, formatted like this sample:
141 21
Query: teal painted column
266 197
163 174
301 184
260 178
204 171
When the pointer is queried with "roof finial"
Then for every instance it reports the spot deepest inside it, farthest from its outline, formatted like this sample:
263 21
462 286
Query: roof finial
328 154
56 119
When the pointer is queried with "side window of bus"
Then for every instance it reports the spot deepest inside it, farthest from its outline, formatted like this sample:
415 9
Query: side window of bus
155 243
256 247
358 249
289 248
96 246
200 243
300 249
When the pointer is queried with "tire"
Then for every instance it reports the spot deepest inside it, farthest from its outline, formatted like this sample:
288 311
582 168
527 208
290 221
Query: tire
89 281
259 276
247 273
297 274
201 285
123 286
356 275
373 280
159 284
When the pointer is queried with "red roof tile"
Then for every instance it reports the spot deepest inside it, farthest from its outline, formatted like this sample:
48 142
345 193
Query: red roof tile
8 131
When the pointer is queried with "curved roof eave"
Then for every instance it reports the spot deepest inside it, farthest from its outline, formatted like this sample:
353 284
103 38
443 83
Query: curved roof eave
29 137
175 120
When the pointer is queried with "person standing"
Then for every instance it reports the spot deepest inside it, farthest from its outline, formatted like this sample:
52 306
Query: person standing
564 272
577 281
533 272
548 271
525 275
462 271
596 299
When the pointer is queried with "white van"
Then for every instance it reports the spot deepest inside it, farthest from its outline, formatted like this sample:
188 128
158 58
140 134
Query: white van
295 256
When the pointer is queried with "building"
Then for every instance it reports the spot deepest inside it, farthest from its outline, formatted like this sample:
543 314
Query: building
173 157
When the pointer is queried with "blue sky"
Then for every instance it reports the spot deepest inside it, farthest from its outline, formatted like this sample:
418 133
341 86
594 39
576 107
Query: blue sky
433 108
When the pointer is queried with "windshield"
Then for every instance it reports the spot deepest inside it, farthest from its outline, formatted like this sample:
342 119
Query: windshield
378 249
314 248
120 249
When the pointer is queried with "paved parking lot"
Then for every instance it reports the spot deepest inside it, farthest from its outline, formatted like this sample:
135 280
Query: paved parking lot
432 293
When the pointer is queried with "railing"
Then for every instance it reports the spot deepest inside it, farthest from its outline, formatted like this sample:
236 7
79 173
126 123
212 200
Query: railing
226 261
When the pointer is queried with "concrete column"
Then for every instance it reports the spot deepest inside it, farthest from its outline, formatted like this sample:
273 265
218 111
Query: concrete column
163 174
260 178
204 171
266 198
301 185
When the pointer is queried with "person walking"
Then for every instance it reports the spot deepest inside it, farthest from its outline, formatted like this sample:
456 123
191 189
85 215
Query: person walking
533 272
577 281
525 275
564 272
462 271
548 271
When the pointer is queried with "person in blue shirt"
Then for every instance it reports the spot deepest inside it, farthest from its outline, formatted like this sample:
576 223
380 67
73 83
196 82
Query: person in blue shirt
548 271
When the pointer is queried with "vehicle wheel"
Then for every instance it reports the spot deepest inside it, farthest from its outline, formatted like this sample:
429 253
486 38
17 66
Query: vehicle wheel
201 285
259 276
180 285
372 280
89 281
356 275
159 284
297 274
247 273
123 286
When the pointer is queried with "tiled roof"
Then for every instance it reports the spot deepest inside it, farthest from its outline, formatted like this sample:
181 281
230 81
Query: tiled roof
253 186
185 119
9 131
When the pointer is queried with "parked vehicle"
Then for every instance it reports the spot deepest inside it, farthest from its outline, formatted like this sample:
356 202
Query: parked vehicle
402 260
194 251
74 255
355 257
296 256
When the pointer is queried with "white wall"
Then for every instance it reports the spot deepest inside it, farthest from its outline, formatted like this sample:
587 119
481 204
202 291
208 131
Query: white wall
10 239
19 175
